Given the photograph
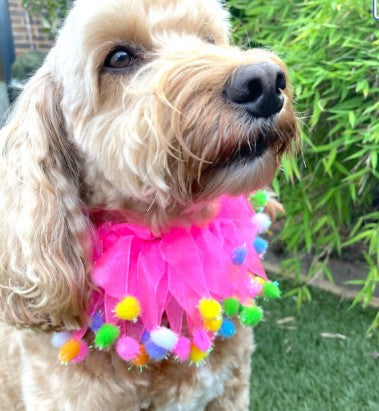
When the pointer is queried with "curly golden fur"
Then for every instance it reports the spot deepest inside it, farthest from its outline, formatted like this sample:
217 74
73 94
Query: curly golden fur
153 142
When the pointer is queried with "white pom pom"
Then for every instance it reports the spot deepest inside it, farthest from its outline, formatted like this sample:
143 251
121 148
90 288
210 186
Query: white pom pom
262 222
58 339
164 337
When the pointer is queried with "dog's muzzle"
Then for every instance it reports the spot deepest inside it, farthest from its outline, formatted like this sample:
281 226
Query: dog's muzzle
257 88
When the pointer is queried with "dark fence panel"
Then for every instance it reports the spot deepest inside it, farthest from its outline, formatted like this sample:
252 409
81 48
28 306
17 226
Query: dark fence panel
7 54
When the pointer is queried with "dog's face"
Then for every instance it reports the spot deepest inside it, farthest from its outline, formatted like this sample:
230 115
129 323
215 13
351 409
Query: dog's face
140 106
159 103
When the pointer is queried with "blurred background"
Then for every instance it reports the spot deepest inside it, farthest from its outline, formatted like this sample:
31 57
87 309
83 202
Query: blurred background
321 341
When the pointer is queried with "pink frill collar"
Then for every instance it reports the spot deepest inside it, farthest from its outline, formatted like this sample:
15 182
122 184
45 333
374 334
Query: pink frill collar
173 294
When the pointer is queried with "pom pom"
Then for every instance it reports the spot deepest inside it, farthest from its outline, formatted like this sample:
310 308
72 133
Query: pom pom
271 290
239 255
255 287
260 245
259 280
213 325
228 329
145 337
196 355
96 322
127 348
182 349
106 336
231 306
129 308
69 350
155 352
210 309
82 353
164 337
262 222
58 339
259 200
201 340
142 358
251 316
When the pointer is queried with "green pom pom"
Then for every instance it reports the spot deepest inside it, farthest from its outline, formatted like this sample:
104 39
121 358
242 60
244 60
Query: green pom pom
106 336
231 306
271 290
251 316
259 200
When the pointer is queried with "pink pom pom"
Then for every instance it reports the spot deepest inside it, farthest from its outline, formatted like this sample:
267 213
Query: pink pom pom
255 288
183 348
127 348
201 340
82 353
261 222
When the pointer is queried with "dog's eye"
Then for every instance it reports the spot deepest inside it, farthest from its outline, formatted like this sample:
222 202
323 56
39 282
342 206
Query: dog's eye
119 59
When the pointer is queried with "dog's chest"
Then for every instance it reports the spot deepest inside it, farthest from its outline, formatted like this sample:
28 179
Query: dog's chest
104 382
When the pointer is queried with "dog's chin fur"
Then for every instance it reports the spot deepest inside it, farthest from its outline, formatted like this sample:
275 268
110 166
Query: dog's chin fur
159 143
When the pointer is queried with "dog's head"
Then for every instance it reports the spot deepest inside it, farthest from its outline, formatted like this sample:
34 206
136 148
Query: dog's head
142 106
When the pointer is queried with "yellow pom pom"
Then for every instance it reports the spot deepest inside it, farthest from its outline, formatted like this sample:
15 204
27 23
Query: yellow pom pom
142 358
196 355
128 308
69 350
213 324
259 280
210 309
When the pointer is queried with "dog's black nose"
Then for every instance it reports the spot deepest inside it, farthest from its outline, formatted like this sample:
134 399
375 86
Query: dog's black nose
257 88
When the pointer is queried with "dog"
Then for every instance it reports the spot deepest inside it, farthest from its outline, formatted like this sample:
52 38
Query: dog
143 107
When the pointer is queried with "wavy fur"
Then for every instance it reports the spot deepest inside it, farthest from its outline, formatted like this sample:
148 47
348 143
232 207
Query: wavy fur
153 143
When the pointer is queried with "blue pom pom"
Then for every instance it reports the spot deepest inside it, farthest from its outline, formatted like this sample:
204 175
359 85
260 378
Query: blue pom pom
155 352
96 322
239 255
260 245
228 329
145 337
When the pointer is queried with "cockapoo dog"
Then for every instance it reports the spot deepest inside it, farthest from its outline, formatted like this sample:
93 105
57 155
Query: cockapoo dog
141 106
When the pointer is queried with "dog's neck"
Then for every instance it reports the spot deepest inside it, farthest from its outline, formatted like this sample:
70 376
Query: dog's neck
152 217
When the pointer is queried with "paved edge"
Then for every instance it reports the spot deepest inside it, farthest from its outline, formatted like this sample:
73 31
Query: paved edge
341 291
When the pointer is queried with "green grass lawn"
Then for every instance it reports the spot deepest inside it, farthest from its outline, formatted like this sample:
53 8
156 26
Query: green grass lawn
296 368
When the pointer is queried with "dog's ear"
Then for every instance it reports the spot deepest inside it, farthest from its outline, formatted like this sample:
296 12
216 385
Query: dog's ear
43 231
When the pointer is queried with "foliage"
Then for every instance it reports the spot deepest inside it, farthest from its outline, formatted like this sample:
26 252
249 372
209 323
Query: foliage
26 64
332 200
51 12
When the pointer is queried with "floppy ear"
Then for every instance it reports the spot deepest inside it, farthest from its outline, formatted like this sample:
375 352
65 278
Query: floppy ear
43 232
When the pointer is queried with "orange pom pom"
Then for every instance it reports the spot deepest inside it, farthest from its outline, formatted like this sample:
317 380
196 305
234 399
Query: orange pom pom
213 325
142 358
69 350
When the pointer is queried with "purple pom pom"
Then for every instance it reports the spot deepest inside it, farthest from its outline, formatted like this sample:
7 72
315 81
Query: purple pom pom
145 337
155 352
97 322
228 329
239 255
